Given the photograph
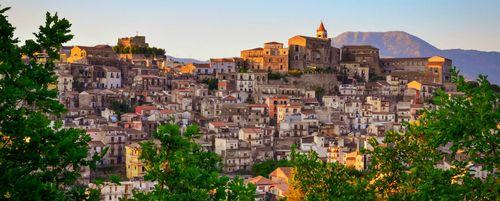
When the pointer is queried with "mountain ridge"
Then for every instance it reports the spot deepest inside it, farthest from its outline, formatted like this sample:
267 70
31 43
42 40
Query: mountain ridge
185 60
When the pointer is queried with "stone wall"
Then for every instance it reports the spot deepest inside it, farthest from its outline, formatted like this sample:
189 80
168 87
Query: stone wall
327 81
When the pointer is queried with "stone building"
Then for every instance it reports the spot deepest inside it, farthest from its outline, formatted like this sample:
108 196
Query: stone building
365 55
107 77
390 65
355 69
313 52
273 57
434 69
247 81
440 68
136 41
80 54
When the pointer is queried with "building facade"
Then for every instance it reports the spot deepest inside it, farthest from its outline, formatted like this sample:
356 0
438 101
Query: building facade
273 57
313 52
365 55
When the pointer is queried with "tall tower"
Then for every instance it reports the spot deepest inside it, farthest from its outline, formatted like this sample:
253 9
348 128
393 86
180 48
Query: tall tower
321 31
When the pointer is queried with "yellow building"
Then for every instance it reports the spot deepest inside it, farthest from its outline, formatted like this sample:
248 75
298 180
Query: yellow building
79 54
355 159
287 110
440 68
414 85
187 69
133 164
191 68
273 57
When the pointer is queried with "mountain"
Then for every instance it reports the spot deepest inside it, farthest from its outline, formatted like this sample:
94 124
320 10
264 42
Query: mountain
186 60
401 44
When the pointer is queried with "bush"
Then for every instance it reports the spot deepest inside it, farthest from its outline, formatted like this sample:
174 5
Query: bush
275 76
295 72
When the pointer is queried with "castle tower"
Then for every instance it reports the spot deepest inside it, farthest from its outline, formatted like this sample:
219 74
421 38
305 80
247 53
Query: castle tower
321 31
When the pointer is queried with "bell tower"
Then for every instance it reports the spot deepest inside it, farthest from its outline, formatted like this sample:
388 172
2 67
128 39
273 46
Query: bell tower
321 31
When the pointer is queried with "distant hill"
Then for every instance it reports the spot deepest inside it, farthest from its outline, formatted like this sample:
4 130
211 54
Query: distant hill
401 44
186 60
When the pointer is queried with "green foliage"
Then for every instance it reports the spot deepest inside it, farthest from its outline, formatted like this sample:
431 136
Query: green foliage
295 73
115 179
39 160
243 70
184 171
314 179
139 50
212 83
318 70
264 168
359 78
406 169
275 76
373 77
407 166
342 76
120 107
319 91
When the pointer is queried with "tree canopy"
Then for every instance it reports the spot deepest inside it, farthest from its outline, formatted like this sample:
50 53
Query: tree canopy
445 154
184 171
139 50
264 168
314 179
39 160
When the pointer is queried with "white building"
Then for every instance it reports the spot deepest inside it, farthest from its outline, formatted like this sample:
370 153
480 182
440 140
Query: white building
124 190
108 77
247 81
225 65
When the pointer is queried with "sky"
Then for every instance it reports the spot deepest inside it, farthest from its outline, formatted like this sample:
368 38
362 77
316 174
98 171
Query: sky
204 29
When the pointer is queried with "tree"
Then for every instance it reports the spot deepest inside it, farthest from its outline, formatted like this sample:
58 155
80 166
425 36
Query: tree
461 130
184 171
147 51
319 92
121 107
212 83
374 77
314 179
243 70
39 160
411 165
274 75
264 168
359 78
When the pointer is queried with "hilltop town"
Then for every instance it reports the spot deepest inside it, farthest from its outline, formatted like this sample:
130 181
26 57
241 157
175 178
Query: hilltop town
256 107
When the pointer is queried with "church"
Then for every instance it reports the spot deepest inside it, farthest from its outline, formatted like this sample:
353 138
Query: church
313 52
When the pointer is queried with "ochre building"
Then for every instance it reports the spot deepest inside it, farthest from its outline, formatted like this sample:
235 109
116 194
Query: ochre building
273 57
